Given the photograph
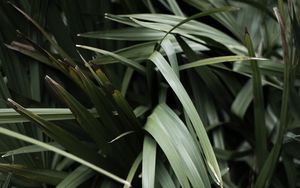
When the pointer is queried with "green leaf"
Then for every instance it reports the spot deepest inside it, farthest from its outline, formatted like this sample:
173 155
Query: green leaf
261 151
140 110
128 34
211 80
163 176
216 60
182 151
140 52
7 181
243 100
63 153
66 139
38 175
199 15
133 169
77 177
29 149
46 35
86 120
126 80
123 60
188 105
175 7
167 46
192 29
268 168
29 51
8 115
149 162
105 128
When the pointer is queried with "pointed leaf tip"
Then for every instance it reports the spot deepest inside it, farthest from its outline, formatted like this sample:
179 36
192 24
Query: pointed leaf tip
12 103
50 80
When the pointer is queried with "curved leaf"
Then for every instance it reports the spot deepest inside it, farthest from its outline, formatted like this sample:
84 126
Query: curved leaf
187 103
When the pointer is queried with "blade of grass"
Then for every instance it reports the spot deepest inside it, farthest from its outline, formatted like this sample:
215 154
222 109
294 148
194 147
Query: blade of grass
187 103
51 177
29 51
63 153
216 60
89 124
29 149
169 150
63 137
140 52
7 181
126 80
120 105
163 176
199 15
133 169
123 60
46 35
9 115
149 162
167 46
175 7
268 168
211 80
243 100
77 177
128 34
261 151
171 133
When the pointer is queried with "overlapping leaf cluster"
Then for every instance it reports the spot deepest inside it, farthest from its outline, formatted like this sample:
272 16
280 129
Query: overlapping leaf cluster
182 96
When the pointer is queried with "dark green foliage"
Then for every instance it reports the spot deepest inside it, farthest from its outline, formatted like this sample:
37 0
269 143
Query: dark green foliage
153 93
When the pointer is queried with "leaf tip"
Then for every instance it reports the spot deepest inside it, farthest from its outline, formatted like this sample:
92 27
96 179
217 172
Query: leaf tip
82 58
50 80
3 156
13 104
10 100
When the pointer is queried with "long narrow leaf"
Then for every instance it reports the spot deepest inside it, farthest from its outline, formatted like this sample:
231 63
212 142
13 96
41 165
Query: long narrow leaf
8 115
63 153
47 36
187 103
38 175
77 177
149 162
199 15
123 60
66 139
215 60
259 109
177 143
268 168
133 169
29 149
